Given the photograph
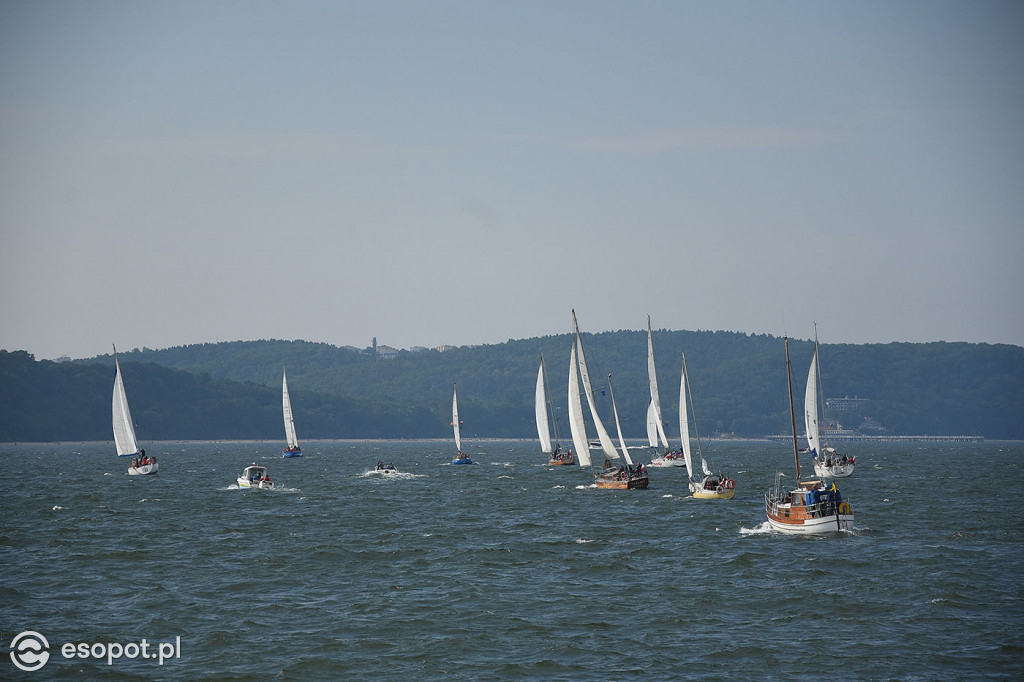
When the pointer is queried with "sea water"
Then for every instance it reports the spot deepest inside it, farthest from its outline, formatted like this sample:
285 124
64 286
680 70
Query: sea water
507 569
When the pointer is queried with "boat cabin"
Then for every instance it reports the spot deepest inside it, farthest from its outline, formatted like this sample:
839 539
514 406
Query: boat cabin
255 473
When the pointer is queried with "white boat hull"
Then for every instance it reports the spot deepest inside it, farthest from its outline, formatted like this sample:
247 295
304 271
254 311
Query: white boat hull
261 485
662 462
841 470
144 470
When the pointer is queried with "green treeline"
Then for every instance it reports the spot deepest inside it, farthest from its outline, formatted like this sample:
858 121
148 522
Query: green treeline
232 390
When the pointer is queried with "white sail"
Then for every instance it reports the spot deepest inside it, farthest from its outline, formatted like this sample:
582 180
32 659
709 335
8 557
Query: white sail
652 425
124 431
577 426
811 406
618 426
602 433
684 422
541 407
455 417
652 377
286 408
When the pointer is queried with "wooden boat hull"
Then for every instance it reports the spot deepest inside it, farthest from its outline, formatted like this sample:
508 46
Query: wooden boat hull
636 483
561 462
804 520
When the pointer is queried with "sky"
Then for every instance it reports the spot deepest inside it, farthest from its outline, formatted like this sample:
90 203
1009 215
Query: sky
467 172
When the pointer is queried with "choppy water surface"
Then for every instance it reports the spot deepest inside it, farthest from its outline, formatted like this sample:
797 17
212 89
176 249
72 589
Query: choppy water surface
509 569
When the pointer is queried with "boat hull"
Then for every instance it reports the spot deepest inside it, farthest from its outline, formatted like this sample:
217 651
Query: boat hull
714 494
292 453
835 471
562 462
144 470
801 519
635 483
663 462
816 526
259 485
462 460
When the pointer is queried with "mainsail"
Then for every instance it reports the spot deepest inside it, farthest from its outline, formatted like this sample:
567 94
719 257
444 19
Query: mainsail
652 425
684 422
541 407
124 431
577 426
811 406
655 404
286 407
602 433
455 417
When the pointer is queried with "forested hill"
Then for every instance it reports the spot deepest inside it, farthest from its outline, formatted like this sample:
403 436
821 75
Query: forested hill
232 390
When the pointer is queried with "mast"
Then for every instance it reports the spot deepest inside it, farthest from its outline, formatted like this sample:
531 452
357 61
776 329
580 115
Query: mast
693 411
618 426
577 427
792 413
602 433
821 392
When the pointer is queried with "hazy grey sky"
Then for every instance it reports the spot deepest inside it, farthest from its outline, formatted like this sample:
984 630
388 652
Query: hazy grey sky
466 172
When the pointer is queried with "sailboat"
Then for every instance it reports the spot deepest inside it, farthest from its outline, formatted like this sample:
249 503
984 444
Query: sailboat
711 486
655 427
827 462
293 449
811 508
124 430
460 456
557 456
630 476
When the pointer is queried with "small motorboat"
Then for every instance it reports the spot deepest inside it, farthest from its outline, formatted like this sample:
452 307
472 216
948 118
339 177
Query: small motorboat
385 469
255 476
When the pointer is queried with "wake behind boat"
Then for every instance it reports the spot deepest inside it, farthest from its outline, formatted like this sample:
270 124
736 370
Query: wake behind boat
255 476
292 449
124 430
811 508
460 456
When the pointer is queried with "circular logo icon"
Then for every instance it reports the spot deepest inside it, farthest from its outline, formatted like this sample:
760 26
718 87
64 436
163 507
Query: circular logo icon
29 651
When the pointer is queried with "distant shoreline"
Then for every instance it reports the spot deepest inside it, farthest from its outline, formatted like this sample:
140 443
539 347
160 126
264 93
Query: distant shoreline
772 438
